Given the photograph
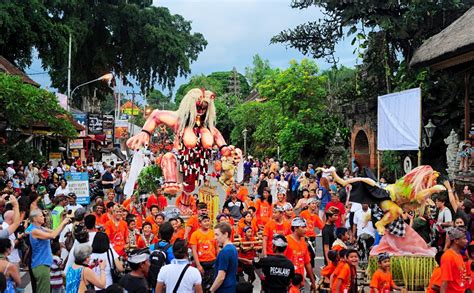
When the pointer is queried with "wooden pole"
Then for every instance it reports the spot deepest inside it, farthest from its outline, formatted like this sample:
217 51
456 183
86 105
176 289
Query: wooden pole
421 129
378 166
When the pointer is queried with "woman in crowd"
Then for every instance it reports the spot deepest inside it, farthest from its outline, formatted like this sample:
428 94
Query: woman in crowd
80 276
10 271
103 252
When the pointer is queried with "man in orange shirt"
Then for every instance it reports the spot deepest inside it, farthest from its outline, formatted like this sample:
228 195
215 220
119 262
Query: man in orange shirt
109 215
453 268
277 225
117 230
153 219
136 208
312 219
297 250
205 250
193 222
98 213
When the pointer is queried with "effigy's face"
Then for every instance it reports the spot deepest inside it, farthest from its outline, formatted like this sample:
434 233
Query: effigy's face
201 107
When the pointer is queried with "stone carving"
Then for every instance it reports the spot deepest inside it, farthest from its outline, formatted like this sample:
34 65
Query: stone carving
452 141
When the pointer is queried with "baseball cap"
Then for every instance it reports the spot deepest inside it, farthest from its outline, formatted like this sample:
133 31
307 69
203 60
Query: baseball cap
298 222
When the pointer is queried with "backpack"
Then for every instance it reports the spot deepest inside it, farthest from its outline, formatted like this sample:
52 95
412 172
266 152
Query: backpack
158 258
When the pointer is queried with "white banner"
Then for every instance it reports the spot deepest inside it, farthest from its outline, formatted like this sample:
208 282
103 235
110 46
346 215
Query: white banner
399 121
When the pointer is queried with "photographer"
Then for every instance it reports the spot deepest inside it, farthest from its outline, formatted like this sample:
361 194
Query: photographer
42 256
15 222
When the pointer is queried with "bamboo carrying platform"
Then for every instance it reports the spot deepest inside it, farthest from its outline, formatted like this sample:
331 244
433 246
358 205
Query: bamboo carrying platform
411 272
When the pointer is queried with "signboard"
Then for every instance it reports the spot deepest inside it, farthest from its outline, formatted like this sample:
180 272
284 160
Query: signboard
55 156
81 119
95 124
78 182
121 129
108 124
399 121
76 144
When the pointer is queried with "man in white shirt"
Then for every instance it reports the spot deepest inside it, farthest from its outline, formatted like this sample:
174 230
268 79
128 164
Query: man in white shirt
363 225
10 170
72 204
170 274
445 217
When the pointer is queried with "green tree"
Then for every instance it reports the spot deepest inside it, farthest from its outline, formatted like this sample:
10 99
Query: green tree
258 71
131 38
23 105
293 117
157 100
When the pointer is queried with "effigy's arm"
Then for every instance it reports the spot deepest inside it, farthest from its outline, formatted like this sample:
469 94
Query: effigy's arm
218 138
157 117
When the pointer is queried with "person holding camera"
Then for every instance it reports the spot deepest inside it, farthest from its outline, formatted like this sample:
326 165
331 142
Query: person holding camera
42 256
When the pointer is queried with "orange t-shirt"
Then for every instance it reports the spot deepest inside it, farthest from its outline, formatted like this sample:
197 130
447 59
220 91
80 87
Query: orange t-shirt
177 235
382 281
297 253
241 225
205 245
264 211
154 227
434 280
192 222
117 235
141 241
272 228
344 273
294 289
453 270
138 216
312 220
105 218
328 270
98 219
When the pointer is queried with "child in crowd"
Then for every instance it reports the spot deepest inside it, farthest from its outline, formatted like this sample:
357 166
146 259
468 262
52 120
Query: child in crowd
57 267
346 278
133 233
247 252
342 237
296 284
382 280
328 270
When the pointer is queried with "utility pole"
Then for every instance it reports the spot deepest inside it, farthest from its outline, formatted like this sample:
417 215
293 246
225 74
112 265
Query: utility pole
69 73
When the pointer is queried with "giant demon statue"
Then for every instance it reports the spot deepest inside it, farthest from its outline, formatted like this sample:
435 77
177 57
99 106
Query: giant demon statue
195 136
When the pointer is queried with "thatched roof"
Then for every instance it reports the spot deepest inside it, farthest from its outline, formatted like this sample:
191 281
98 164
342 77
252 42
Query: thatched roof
7 67
455 40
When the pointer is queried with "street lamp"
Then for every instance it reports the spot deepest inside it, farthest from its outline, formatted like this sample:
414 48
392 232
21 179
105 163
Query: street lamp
244 132
429 132
108 77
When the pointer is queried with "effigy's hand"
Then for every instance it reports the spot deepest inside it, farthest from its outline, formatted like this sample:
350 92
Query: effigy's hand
138 140
438 188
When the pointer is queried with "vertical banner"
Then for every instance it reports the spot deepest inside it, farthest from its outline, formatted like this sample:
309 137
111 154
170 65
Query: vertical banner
81 119
399 121
95 124
78 182
108 125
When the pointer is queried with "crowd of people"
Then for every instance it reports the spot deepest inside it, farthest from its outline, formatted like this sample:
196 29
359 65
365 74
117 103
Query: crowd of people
264 232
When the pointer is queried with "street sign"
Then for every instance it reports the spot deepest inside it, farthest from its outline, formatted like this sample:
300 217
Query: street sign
76 144
78 182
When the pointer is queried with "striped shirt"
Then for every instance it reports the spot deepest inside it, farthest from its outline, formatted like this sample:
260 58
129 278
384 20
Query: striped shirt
56 273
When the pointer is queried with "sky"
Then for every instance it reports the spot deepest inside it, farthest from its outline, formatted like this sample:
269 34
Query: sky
236 30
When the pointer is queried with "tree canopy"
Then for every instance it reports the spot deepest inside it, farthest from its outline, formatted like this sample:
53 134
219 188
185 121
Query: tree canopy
132 38
23 105
294 115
